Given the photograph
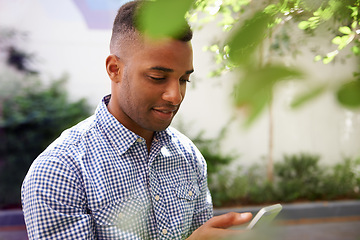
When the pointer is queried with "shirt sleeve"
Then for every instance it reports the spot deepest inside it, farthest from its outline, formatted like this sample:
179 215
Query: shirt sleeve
54 202
204 206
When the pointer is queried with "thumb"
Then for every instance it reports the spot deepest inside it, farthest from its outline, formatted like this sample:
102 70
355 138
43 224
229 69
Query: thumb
230 219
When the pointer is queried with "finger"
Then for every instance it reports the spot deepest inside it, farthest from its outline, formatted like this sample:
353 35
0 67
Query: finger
230 219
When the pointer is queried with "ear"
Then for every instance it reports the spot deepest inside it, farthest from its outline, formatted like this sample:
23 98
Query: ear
114 67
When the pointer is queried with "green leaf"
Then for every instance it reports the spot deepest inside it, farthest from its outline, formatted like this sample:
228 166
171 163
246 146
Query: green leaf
330 56
349 94
328 59
214 48
272 9
355 11
307 96
345 41
356 50
163 18
304 25
341 41
337 40
345 30
314 19
245 39
354 24
254 91
317 58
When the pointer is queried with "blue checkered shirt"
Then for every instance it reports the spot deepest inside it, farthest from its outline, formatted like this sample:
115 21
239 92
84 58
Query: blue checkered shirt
98 181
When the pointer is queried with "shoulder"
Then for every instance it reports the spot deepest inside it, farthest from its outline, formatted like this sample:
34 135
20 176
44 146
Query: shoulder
180 139
188 148
63 151
75 134
58 160
174 133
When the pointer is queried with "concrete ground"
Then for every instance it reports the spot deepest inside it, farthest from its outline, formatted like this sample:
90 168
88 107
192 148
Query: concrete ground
344 230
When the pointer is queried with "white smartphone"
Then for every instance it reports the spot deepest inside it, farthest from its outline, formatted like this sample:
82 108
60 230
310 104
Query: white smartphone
265 216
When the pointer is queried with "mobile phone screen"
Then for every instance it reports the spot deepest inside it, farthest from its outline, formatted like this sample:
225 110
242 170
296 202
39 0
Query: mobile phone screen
265 216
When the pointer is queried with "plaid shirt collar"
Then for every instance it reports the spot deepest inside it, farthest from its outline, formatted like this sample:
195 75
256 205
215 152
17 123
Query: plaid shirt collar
119 136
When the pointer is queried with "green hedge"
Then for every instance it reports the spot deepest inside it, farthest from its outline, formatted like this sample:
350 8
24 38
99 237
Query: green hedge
298 177
31 118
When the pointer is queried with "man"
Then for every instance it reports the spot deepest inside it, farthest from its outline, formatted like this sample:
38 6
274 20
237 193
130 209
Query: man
124 173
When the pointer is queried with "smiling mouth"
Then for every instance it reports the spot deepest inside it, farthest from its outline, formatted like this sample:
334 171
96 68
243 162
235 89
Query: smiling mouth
164 114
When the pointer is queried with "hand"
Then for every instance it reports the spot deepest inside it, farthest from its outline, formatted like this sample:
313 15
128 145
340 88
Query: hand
216 227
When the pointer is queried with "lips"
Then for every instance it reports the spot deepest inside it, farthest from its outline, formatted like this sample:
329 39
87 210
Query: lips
165 114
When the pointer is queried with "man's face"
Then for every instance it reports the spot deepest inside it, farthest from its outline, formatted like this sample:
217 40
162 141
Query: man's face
152 85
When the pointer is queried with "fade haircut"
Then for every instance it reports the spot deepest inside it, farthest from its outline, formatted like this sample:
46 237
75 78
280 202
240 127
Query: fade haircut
125 26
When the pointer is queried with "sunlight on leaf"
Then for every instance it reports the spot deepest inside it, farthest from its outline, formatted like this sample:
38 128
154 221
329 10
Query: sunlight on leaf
342 41
163 18
349 94
345 30
354 24
317 58
337 40
330 56
272 9
304 25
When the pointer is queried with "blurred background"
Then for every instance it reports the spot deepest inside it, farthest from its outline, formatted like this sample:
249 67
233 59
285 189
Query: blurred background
302 144
273 104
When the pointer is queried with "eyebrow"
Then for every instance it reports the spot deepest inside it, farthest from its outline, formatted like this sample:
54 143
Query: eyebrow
164 69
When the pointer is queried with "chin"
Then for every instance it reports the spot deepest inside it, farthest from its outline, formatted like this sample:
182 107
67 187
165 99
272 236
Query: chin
161 128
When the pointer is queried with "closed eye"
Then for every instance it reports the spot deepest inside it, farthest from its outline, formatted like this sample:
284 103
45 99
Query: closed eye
157 78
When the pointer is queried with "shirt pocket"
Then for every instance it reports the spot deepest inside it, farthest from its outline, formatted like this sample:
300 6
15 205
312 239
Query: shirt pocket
124 219
187 194
187 190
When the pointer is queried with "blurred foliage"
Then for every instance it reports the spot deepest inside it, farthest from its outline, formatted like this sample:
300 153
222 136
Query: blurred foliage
169 20
32 114
30 119
343 180
14 56
256 92
298 177
267 31
210 148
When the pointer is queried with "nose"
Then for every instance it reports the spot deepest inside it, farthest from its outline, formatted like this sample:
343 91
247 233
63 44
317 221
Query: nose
173 93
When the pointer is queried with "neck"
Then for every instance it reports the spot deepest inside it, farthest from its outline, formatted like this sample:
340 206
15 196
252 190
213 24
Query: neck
148 140
147 135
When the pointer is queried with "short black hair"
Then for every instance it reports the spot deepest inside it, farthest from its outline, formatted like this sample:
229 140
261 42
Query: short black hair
125 23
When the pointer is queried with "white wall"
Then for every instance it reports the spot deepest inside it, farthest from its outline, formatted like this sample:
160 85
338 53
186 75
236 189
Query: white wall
64 44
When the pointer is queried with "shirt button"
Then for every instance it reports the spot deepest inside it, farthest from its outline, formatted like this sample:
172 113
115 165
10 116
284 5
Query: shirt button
157 197
190 193
139 140
164 231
